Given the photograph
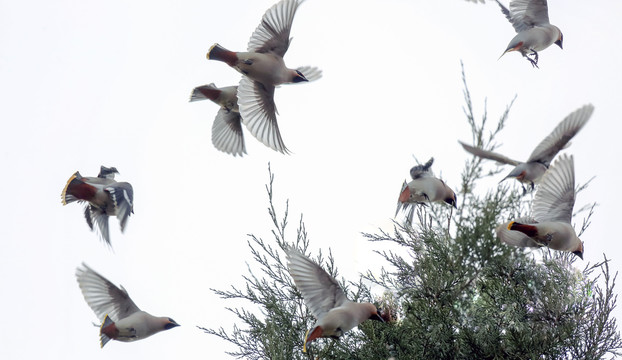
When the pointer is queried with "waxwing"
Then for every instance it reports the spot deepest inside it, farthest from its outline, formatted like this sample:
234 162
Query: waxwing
120 318
530 19
263 69
326 300
531 171
227 133
550 224
423 188
104 197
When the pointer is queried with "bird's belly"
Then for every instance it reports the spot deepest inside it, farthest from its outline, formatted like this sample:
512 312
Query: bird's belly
539 38
559 235
264 68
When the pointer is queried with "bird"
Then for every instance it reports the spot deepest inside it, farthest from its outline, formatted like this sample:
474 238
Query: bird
423 188
326 300
550 225
227 133
531 171
121 319
530 19
263 69
104 196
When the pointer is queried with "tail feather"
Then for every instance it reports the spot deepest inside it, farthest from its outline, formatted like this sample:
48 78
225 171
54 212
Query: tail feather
528 230
210 92
219 53
103 337
316 333
66 196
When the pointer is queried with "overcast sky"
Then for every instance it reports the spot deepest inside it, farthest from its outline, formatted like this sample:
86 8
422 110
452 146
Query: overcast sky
90 83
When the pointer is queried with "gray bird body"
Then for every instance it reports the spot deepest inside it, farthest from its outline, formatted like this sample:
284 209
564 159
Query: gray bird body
267 68
552 207
325 299
263 68
139 325
530 19
227 135
423 188
104 196
537 38
121 319
532 170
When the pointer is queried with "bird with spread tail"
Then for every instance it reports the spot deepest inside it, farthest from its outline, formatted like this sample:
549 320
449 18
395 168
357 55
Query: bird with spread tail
326 300
531 171
104 196
263 69
227 133
423 188
550 224
121 319
530 19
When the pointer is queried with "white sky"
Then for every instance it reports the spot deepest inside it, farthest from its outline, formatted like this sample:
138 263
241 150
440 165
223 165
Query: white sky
86 83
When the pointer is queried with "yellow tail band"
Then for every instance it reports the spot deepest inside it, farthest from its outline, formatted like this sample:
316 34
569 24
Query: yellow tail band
64 193
304 345
510 224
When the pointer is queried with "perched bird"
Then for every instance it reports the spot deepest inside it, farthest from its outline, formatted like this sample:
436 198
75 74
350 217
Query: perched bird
335 314
263 69
121 319
423 188
550 224
227 133
531 171
105 197
530 19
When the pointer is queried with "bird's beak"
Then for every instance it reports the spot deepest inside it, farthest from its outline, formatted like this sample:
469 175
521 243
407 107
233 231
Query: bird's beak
376 317
300 78
559 43
170 325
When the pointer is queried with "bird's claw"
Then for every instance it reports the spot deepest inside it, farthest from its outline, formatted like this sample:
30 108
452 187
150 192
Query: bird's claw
534 61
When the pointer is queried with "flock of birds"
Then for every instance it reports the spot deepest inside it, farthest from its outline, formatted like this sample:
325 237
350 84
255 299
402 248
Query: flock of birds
252 103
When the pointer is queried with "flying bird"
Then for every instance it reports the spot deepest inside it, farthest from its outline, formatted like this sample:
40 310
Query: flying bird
264 69
530 171
530 19
326 300
121 319
227 133
104 196
423 188
550 224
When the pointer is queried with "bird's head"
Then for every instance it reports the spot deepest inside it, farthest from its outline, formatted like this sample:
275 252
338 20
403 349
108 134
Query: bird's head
560 40
298 77
579 250
375 315
107 172
452 200
169 324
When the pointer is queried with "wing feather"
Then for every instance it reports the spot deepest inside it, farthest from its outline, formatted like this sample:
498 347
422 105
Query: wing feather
104 297
561 135
272 34
227 133
525 14
320 290
258 112
555 197
489 155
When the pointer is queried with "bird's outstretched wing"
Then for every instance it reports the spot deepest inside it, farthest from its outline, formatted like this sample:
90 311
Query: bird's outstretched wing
104 297
272 34
320 290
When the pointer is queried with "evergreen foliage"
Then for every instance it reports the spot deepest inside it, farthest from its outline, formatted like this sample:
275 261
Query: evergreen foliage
453 290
